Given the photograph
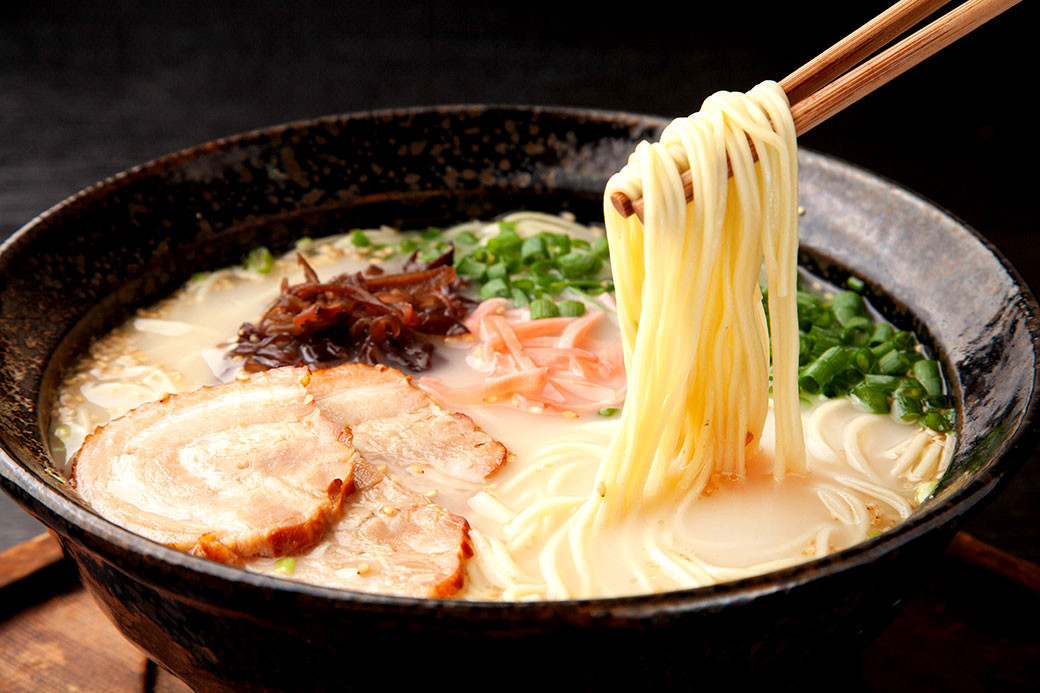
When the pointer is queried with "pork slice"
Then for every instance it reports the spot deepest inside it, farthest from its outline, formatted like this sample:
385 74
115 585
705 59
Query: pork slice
243 469
389 541
397 424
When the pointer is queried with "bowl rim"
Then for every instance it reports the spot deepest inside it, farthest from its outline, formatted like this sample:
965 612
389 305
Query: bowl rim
1014 449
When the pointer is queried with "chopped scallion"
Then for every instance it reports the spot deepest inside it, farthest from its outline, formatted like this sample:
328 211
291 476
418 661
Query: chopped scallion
870 398
360 239
572 309
494 288
499 270
543 308
848 305
936 421
905 407
578 264
927 373
259 260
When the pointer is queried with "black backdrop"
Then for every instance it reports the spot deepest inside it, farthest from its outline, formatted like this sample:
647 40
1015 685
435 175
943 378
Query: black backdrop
90 88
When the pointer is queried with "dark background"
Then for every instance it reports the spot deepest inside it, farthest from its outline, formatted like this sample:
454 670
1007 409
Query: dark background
88 89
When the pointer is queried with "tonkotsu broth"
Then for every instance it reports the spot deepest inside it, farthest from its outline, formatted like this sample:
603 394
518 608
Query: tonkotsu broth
867 471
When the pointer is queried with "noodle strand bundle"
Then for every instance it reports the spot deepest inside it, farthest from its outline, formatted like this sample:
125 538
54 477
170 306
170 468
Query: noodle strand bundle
696 344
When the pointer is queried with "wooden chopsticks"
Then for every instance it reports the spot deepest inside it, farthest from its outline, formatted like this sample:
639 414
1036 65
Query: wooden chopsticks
825 85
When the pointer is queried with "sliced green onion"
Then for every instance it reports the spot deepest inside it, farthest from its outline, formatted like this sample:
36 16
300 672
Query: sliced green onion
572 309
937 421
467 238
432 252
408 246
543 308
883 348
910 389
904 340
865 360
285 565
855 284
870 398
507 241
938 401
533 249
805 349
471 268
499 270
927 373
822 370
601 248
259 260
893 362
430 234
360 239
608 411
847 305
543 268
857 331
883 332
494 288
905 407
520 298
578 264
834 389
824 339
821 316
886 383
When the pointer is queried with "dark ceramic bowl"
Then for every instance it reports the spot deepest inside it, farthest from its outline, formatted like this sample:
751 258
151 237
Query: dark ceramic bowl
84 265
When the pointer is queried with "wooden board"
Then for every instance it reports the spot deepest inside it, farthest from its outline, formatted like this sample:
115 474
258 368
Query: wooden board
53 637
971 627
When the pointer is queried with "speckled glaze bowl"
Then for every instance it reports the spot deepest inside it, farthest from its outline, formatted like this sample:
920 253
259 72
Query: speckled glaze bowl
81 267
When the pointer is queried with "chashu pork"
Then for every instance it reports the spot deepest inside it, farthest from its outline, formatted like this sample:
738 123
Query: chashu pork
244 469
389 541
397 424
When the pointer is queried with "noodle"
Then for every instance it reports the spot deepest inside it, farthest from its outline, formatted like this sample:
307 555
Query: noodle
695 337
694 333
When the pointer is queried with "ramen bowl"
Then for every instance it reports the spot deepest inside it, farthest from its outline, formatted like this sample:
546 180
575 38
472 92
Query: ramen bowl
82 267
